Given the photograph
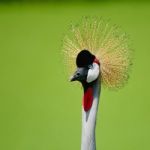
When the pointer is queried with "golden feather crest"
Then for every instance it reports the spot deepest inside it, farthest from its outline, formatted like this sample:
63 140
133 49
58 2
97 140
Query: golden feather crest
107 43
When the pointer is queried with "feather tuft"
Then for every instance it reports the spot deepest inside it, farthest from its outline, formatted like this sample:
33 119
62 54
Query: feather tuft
107 43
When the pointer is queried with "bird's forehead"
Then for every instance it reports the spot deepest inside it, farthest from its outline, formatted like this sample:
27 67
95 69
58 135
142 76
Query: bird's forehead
84 58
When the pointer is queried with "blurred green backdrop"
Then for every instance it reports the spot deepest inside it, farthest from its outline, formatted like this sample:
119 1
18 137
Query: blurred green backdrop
39 108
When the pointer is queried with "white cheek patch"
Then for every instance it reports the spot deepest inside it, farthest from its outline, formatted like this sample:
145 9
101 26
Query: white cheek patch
93 73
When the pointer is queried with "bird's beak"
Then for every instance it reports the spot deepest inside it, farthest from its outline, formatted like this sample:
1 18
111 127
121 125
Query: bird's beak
79 75
74 77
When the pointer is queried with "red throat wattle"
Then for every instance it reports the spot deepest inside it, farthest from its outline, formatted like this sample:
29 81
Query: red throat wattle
88 99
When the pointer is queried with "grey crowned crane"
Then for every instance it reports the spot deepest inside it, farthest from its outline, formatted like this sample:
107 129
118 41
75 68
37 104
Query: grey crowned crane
102 56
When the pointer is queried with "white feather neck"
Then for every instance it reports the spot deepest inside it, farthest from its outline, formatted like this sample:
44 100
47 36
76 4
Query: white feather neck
89 121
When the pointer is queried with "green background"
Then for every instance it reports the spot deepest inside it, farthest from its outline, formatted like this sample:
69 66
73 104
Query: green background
39 108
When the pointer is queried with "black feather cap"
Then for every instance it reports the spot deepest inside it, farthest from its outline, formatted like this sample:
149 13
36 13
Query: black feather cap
84 58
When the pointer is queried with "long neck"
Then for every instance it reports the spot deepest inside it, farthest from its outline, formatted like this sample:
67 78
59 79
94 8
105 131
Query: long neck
89 120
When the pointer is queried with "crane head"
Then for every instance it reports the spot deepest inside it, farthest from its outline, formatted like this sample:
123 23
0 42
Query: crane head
88 67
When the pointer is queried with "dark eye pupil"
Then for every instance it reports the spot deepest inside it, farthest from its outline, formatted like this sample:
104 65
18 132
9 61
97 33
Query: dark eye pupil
78 74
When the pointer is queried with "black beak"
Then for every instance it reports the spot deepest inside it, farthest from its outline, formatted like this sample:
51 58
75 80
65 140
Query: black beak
80 74
75 76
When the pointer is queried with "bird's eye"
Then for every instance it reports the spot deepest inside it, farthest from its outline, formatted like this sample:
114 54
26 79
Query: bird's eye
90 66
78 74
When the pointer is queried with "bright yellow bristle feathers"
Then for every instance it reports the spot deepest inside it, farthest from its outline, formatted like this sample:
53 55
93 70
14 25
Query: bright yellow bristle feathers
107 43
